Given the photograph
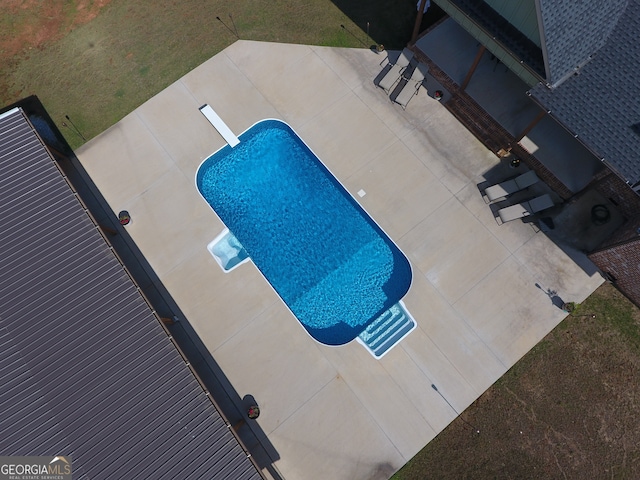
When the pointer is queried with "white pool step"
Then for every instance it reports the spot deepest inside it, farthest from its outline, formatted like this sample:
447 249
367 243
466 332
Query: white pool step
227 251
387 330
219 125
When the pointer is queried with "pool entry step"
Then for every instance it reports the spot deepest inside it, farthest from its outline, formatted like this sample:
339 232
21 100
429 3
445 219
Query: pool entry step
386 331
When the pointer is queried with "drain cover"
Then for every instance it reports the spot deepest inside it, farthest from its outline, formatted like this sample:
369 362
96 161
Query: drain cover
600 214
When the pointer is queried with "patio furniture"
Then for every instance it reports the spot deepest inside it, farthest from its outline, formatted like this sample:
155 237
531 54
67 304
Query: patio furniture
513 185
411 85
397 69
525 209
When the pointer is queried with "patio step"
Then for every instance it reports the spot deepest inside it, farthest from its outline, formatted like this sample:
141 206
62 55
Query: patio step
387 330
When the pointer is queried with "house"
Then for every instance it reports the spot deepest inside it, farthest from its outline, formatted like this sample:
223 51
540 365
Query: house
578 66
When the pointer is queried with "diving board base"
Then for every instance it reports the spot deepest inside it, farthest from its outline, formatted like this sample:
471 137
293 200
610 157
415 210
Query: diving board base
219 125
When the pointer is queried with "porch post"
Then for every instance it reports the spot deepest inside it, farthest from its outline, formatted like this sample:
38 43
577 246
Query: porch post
472 70
529 127
416 27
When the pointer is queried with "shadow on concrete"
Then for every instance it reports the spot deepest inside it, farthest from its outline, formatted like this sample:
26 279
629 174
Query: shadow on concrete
578 229
248 401
382 471
386 63
585 222
571 226
387 23
556 300
229 403
578 226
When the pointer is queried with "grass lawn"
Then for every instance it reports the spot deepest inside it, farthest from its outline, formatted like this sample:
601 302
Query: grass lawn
98 61
568 409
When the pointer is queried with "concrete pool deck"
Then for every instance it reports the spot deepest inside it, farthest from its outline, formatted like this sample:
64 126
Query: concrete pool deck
337 412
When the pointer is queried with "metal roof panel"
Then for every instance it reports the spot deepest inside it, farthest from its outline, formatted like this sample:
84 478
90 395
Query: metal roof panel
86 369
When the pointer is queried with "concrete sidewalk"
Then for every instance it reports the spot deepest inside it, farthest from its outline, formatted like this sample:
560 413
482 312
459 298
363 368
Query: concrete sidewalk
337 412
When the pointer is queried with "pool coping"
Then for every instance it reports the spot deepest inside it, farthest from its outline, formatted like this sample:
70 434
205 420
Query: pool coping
345 190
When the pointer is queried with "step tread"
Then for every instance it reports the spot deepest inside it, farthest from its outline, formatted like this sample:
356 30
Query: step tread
387 330
390 328
380 325
391 341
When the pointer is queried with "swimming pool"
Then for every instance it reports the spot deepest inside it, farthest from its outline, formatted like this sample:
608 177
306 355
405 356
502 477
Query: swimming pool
331 264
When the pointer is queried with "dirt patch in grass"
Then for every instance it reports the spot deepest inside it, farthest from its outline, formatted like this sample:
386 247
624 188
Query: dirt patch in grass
569 409
28 24
96 61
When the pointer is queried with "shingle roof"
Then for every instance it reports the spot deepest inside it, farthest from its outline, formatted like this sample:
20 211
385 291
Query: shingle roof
601 105
572 31
86 369
502 31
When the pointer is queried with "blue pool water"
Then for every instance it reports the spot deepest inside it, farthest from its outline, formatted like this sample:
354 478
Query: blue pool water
327 259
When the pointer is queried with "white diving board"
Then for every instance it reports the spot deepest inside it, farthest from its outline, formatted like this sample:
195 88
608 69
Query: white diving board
219 125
